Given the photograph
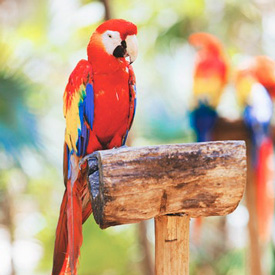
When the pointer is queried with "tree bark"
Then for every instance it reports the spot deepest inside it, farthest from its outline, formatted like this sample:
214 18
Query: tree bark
200 179
107 8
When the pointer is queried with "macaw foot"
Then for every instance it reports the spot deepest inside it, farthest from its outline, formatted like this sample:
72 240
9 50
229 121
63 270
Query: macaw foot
82 162
93 176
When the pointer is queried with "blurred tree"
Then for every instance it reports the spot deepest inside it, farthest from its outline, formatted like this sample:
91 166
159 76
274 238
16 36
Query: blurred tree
18 124
42 42
107 9
18 131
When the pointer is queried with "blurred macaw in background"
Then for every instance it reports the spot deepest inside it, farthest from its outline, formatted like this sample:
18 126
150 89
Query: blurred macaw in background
99 106
210 77
264 70
253 83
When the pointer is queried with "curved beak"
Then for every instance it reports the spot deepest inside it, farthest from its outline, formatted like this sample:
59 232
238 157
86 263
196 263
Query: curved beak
132 47
127 48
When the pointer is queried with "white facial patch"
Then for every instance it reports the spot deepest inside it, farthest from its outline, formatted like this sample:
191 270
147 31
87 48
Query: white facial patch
261 103
110 40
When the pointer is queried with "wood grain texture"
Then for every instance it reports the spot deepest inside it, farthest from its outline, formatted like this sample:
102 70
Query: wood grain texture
198 179
172 245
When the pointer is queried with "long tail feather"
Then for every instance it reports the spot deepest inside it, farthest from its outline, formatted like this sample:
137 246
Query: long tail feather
61 241
74 221
264 190
69 229
75 210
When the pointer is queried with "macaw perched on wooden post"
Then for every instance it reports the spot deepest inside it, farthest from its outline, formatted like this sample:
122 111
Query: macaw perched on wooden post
210 77
252 85
99 106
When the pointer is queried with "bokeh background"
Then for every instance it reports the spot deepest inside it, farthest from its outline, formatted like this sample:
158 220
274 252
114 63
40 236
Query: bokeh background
40 43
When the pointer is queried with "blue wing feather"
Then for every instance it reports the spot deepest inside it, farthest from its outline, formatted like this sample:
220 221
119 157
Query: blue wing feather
89 105
135 100
86 114
203 119
257 117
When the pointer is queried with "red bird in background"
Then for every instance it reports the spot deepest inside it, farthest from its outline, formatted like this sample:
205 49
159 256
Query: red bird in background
263 68
210 77
255 85
99 106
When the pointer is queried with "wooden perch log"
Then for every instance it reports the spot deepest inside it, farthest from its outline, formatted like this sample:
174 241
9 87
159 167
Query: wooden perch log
198 179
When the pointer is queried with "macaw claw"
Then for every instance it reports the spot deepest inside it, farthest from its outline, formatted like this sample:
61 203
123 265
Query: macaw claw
84 159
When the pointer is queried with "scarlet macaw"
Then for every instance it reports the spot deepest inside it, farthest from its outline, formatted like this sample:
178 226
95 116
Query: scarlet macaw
99 106
210 78
252 83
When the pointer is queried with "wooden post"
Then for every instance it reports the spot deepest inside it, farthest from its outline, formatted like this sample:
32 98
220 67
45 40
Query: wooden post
170 183
172 244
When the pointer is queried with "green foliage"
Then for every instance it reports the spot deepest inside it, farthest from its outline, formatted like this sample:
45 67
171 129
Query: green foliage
112 251
229 263
39 48
232 263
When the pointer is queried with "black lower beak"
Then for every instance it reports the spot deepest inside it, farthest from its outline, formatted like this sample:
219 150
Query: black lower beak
120 50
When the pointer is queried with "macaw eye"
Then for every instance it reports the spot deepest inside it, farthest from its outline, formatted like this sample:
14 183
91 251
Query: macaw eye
109 35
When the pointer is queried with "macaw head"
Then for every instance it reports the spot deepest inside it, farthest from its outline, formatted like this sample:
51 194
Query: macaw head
211 68
264 70
260 69
206 43
114 39
253 98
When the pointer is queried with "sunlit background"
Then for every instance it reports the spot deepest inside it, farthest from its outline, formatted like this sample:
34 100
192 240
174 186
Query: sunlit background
40 43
